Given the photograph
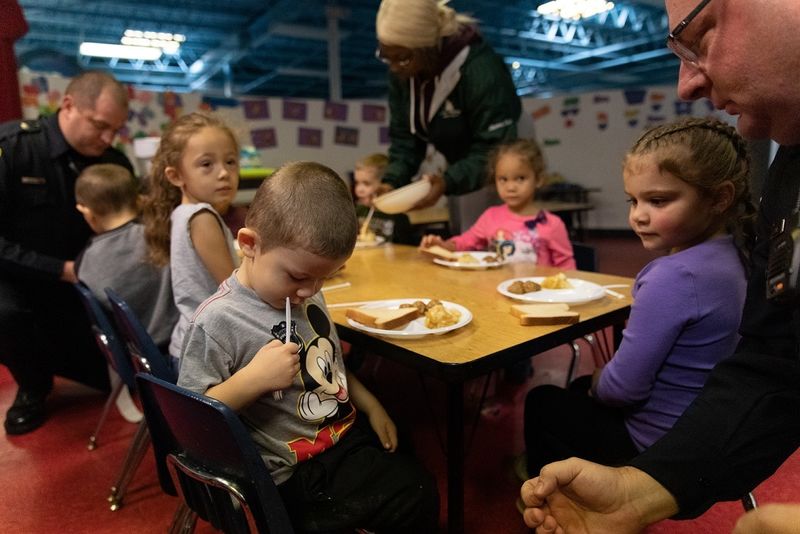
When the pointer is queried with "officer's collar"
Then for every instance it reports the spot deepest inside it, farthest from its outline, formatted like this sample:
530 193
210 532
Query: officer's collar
57 142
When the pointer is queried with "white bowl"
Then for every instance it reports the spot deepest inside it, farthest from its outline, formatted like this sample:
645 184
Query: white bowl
403 199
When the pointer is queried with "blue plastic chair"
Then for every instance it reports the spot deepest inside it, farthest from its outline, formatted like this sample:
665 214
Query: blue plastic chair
212 461
145 358
112 349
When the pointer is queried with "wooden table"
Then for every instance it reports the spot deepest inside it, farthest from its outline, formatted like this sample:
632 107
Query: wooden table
492 340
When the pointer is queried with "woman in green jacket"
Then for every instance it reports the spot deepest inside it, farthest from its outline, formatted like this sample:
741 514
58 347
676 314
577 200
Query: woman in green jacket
447 88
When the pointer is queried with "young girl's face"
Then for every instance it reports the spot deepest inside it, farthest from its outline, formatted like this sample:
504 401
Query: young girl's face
366 184
208 170
515 180
666 212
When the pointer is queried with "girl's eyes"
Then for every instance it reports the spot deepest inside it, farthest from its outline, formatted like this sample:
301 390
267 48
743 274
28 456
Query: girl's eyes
657 202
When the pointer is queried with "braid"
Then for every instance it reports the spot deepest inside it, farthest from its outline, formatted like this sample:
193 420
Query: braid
706 153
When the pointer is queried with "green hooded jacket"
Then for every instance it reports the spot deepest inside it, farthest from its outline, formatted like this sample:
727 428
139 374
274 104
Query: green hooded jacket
480 111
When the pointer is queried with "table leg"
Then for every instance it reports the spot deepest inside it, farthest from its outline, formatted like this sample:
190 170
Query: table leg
455 457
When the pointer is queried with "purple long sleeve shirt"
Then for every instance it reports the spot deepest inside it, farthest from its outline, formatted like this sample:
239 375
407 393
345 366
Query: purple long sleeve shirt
684 319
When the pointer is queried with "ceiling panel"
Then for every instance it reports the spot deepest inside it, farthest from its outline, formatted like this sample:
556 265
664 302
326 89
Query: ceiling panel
280 47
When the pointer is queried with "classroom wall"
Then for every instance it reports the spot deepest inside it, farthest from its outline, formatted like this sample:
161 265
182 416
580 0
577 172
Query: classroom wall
584 137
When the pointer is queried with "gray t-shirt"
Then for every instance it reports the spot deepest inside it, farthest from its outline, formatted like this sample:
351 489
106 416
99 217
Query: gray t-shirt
191 281
117 259
315 412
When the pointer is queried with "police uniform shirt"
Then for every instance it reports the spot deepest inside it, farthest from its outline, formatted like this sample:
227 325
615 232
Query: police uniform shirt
39 225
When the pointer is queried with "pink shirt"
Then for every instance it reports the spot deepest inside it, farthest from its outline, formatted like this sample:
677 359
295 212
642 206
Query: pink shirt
540 239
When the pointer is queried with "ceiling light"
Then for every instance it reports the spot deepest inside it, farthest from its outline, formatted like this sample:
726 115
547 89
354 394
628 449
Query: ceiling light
120 51
169 43
574 9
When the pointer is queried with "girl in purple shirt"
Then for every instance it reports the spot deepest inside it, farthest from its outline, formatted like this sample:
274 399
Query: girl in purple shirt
688 188
517 228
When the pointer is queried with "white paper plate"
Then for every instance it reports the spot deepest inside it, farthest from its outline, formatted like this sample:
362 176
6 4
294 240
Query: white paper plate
581 291
416 328
379 240
480 256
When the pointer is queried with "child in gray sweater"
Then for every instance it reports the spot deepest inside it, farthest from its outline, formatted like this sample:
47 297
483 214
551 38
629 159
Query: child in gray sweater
107 196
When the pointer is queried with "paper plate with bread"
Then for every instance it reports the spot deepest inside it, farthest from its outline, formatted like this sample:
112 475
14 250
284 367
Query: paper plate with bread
408 318
556 288
463 260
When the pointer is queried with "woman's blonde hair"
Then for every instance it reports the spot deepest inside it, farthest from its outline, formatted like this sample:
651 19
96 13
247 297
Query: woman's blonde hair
162 197
705 153
417 23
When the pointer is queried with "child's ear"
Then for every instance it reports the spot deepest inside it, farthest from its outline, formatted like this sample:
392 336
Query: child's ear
83 209
247 242
173 176
723 197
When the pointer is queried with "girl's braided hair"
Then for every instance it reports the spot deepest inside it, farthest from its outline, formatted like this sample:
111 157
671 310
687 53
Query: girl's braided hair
706 153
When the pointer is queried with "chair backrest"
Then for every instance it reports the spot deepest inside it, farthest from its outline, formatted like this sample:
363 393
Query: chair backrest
145 356
212 459
106 335
585 256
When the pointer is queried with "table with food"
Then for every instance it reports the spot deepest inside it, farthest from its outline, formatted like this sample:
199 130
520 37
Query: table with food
456 324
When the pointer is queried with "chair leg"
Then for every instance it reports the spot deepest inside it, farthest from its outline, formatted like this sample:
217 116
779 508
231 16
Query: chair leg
749 502
574 362
112 397
136 452
184 520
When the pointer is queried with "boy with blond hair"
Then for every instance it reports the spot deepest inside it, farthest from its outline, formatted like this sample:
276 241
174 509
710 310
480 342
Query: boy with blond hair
333 471
367 179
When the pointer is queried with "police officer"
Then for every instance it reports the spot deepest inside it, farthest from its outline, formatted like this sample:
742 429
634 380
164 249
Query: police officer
43 326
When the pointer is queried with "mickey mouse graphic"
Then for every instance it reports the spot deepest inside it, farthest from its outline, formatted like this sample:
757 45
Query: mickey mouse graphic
324 400
324 383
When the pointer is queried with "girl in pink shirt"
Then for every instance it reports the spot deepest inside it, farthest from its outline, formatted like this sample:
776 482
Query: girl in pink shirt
517 228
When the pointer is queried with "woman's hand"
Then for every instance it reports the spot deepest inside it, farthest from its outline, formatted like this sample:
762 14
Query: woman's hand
438 187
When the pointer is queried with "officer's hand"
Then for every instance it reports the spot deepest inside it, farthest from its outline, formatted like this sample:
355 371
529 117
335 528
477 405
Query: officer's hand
68 274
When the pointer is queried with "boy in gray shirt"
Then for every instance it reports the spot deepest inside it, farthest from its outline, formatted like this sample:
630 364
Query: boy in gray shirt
332 469
107 196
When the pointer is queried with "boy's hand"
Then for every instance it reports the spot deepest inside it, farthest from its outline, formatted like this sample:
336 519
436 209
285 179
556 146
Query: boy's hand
277 363
384 427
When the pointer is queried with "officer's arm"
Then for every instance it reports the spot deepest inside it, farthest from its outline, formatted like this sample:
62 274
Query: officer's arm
14 258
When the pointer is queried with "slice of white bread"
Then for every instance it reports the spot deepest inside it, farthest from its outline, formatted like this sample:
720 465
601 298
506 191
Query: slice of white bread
439 252
544 314
383 318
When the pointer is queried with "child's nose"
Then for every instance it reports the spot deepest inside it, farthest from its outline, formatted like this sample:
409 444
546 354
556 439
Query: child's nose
309 289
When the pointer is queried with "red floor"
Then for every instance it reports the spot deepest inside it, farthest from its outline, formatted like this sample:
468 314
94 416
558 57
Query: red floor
52 483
